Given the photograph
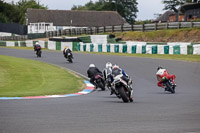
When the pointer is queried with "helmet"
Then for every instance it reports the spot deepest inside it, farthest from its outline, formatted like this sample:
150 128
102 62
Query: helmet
108 65
91 65
115 66
66 47
37 43
159 67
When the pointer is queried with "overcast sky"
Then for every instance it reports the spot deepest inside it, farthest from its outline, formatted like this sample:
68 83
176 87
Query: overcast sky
147 8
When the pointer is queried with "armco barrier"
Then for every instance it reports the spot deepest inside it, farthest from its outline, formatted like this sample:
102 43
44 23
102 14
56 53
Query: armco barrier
129 47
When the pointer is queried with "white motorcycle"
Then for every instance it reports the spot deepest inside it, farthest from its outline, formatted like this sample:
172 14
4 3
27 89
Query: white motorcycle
122 89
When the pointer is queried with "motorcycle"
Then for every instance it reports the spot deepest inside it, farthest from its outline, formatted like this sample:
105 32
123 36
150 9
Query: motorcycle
69 57
170 87
100 82
122 89
38 52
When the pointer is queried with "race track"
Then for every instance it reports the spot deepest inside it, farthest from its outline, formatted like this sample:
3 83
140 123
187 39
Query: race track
153 110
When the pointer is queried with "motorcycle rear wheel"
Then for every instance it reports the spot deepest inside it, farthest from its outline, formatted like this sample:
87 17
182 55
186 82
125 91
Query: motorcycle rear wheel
100 84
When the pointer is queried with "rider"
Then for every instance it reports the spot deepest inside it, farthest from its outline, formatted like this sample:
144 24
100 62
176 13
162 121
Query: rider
67 50
107 75
116 71
92 72
37 47
161 72
107 71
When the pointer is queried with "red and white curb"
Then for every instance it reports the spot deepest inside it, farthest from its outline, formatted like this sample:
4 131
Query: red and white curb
89 88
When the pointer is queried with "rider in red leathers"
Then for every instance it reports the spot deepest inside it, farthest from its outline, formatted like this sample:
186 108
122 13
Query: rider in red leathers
164 73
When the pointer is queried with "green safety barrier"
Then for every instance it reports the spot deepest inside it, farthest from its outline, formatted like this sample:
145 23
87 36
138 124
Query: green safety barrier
154 49
108 48
166 49
176 49
22 44
85 39
134 47
46 45
75 46
2 43
99 47
84 47
116 48
124 49
143 49
91 47
16 44
189 49
58 45
79 47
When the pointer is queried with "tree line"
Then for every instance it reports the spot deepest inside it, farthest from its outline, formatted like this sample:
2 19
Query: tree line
16 12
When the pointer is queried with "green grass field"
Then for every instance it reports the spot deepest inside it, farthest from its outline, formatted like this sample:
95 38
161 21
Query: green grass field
22 77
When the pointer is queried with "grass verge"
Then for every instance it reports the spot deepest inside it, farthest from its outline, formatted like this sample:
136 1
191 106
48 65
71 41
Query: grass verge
22 77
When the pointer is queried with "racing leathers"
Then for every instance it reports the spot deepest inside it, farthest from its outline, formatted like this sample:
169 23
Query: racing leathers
164 73
92 72
66 51
125 77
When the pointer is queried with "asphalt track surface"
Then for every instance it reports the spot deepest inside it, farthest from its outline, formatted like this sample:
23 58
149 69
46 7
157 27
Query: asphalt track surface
153 110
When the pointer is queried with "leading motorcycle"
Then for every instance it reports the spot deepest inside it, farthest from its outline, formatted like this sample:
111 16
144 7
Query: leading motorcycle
122 89
69 57
100 82
38 52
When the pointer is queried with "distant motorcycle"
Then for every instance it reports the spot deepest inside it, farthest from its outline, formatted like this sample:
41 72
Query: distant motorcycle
122 89
170 87
100 82
69 57
38 51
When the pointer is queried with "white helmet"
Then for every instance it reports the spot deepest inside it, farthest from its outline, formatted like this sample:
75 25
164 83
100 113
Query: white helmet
91 65
115 66
36 43
108 65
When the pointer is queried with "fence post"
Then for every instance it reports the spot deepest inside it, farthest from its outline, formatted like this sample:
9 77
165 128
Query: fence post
166 25
178 25
122 28
112 28
155 26
104 29
131 27
191 24
142 27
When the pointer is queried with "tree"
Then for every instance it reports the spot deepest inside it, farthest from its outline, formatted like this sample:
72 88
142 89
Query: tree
172 5
11 12
23 5
126 8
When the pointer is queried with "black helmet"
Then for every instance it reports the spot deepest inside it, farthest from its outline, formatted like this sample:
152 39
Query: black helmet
159 67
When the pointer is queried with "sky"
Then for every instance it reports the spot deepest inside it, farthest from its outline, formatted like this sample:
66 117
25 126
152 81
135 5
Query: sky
147 8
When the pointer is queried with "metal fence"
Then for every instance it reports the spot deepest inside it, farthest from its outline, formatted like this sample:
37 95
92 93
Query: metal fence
112 29
124 28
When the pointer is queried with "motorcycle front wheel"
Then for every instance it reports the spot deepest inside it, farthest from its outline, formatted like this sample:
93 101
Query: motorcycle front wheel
169 87
123 94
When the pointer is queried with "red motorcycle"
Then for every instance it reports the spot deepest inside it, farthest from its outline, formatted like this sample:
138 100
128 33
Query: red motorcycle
166 80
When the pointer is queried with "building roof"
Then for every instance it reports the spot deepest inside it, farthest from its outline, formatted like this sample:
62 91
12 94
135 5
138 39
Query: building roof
75 18
189 6
164 17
